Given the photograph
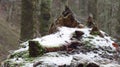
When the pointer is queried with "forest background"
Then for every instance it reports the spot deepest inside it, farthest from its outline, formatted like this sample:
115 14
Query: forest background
105 12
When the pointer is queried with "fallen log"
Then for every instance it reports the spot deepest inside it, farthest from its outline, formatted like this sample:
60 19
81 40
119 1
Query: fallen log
36 50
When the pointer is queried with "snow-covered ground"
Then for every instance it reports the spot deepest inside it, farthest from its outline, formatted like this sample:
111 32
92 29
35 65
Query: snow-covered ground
63 37
64 34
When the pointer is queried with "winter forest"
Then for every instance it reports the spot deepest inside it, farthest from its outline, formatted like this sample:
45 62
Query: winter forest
59 33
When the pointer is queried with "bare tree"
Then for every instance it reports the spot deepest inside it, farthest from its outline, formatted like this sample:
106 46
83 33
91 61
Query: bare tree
92 8
45 16
28 23
118 27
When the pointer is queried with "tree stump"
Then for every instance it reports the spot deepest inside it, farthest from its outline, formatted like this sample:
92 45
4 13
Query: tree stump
96 31
35 49
66 19
90 21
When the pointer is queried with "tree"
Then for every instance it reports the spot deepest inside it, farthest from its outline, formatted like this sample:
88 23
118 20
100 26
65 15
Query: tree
92 8
118 27
65 2
45 16
28 23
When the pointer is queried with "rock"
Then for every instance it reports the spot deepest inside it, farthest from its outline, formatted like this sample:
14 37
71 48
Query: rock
36 64
78 35
74 45
78 62
64 66
80 26
80 65
92 65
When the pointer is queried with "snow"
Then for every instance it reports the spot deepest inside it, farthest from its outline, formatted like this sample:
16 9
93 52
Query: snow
60 38
17 60
25 44
100 42
63 37
64 34
110 65
60 59
57 60
28 65
21 50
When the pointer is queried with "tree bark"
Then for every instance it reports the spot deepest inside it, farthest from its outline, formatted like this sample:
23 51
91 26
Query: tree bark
28 24
92 8
118 27
35 49
45 16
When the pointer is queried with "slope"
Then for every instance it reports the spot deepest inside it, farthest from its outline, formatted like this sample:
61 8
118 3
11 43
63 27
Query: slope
8 38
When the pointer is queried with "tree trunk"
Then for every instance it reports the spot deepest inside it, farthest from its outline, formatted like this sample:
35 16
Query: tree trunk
92 8
65 2
45 16
118 27
36 14
28 23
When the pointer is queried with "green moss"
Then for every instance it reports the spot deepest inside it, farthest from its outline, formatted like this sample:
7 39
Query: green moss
35 49
41 50
30 59
90 37
95 33
9 63
22 54
85 65
88 44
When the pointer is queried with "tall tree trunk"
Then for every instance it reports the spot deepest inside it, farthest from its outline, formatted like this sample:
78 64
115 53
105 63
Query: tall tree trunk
36 14
118 27
65 2
92 8
45 16
28 23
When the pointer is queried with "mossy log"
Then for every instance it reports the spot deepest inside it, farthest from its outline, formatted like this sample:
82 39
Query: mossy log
35 49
